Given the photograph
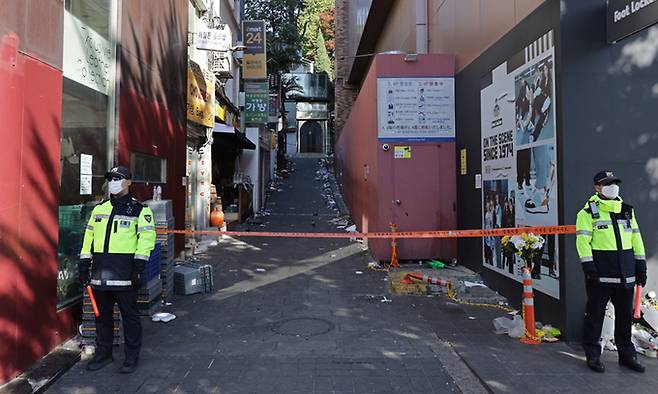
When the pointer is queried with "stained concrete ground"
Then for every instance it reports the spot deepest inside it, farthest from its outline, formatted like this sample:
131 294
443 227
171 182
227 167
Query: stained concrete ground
309 323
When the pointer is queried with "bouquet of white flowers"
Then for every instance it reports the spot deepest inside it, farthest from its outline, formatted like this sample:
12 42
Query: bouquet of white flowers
526 245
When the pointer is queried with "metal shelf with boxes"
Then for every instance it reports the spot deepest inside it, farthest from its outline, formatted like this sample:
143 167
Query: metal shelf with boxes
149 295
88 325
164 220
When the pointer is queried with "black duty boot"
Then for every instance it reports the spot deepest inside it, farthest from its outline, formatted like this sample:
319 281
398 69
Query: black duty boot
631 363
596 365
99 361
129 366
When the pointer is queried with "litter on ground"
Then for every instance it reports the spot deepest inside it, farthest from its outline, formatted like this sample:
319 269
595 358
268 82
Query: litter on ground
163 317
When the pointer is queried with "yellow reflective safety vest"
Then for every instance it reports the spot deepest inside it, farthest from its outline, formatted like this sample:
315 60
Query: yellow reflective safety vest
119 238
608 235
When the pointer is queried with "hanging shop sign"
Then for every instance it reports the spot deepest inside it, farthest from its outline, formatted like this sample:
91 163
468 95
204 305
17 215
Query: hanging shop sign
255 53
625 17
416 109
214 39
519 160
273 110
200 95
220 112
87 55
307 110
256 102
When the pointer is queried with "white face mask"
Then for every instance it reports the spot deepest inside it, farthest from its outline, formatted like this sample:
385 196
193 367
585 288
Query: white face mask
115 187
610 191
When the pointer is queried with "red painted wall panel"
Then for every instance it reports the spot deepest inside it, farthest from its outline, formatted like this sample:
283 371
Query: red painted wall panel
12 70
425 184
30 107
39 24
152 115
147 127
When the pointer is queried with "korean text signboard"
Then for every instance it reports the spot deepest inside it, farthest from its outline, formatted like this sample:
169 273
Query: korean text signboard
200 96
255 53
256 102
626 17
416 109
273 111
214 39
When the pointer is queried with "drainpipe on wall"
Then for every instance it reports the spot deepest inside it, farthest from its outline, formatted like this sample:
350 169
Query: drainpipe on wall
421 26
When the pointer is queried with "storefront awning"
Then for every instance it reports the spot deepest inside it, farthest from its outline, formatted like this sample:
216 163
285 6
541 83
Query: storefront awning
225 133
223 128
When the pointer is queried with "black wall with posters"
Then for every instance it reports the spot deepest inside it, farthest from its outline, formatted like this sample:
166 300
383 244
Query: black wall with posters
469 84
609 121
606 96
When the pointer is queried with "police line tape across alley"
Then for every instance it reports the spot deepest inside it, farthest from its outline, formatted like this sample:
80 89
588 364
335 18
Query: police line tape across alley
530 335
498 232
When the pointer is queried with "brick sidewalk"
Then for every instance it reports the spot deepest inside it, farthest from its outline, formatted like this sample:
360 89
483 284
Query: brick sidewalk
310 324
307 324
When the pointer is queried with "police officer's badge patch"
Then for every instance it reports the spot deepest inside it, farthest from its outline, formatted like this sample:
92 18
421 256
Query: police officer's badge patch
148 218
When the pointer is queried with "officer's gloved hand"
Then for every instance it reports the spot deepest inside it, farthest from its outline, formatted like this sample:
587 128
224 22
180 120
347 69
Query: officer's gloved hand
83 276
591 274
136 279
641 278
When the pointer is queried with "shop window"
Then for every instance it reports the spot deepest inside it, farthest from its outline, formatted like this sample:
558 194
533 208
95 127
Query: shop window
83 163
149 169
85 151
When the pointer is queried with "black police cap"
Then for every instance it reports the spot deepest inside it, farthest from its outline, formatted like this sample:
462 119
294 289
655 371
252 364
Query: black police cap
118 171
605 178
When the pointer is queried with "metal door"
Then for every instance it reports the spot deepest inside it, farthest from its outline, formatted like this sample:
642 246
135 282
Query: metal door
415 205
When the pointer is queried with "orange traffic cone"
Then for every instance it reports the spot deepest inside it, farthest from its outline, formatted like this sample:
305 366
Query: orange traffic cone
530 336
425 278
394 249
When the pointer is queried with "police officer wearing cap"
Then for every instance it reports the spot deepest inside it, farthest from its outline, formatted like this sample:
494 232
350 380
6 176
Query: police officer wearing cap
118 241
612 254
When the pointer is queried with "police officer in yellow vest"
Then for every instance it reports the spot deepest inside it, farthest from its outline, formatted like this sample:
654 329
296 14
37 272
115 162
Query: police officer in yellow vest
117 244
612 255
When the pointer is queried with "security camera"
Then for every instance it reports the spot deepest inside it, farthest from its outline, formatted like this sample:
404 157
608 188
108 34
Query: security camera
385 147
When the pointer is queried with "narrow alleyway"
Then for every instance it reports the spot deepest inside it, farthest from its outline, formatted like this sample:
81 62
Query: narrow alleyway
308 323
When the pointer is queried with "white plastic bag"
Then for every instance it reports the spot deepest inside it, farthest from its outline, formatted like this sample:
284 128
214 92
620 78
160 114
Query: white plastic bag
518 329
650 315
608 331
163 317
502 325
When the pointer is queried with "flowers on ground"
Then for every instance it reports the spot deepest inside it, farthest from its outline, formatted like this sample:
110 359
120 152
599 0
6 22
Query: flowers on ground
526 245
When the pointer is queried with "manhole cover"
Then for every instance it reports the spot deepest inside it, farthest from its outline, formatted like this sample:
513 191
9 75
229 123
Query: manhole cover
303 327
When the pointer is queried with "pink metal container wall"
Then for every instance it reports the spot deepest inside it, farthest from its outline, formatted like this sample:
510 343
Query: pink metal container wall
416 194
